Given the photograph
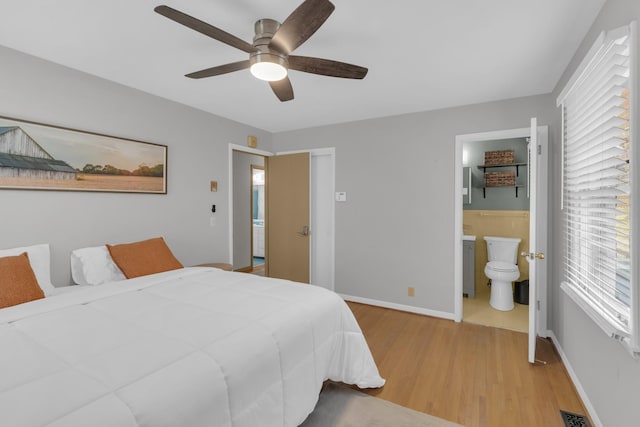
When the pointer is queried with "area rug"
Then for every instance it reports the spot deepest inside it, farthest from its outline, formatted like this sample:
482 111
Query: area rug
340 406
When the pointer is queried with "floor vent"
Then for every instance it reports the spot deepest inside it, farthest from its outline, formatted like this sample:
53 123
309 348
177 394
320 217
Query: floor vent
574 420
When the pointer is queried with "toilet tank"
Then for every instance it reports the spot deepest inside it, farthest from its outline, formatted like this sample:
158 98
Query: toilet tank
502 248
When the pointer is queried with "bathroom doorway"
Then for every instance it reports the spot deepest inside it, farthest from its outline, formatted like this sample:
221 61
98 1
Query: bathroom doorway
495 209
537 185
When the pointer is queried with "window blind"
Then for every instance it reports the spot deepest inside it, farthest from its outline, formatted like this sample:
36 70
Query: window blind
597 191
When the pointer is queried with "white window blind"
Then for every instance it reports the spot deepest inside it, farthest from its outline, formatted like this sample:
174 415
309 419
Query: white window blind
597 187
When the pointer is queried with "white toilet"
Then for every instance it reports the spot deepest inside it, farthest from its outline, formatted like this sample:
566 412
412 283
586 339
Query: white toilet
502 270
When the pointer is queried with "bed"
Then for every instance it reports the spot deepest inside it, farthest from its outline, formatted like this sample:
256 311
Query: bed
187 347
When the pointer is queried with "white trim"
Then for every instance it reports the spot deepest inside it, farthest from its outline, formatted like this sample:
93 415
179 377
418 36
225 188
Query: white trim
231 149
400 307
576 382
458 227
313 151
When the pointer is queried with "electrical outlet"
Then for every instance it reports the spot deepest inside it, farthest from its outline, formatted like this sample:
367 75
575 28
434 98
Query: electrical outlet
411 291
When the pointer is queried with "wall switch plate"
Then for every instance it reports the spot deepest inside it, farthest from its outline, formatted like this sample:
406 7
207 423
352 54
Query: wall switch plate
214 186
341 196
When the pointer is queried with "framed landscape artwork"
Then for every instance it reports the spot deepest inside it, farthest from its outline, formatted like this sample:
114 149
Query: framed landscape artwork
36 156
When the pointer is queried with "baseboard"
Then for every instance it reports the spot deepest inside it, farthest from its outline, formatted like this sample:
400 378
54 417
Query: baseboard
576 381
400 307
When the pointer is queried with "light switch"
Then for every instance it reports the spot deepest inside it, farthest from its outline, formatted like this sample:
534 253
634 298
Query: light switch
341 196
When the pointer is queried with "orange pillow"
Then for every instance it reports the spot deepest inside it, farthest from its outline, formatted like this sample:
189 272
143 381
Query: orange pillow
18 283
145 257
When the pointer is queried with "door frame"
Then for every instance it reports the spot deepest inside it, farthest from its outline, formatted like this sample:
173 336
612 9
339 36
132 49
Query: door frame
330 242
330 178
231 149
541 218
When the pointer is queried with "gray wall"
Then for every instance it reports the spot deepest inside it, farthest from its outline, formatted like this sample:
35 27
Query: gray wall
242 204
610 377
499 198
396 228
41 91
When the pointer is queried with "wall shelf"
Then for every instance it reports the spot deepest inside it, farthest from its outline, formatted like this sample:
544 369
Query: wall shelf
484 189
517 166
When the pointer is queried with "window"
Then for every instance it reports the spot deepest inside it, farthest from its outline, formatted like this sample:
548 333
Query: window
599 194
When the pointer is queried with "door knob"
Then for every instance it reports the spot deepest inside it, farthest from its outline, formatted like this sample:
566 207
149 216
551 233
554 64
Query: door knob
305 231
532 255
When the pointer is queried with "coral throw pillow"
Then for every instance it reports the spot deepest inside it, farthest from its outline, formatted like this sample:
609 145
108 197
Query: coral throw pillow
18 283
143 258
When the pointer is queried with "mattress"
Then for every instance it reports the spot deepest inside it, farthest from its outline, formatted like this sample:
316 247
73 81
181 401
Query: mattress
189 347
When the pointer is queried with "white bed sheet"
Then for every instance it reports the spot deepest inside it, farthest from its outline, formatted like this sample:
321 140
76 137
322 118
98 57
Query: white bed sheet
190 347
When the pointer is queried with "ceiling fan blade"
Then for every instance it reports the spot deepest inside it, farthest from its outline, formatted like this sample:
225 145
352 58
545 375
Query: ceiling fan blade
204 28
326 67
282 89
221 69
300 25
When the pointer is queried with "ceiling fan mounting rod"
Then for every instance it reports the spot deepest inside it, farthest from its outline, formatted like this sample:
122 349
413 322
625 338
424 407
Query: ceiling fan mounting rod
265 29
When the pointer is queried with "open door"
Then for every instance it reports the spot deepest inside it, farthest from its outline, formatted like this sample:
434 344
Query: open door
533 255
287 233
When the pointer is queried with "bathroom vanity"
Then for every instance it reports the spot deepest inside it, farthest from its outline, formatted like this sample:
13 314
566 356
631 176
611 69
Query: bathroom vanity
469 266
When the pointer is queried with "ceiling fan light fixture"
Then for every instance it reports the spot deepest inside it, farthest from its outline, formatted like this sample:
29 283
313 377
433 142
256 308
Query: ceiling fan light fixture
268 66
268 71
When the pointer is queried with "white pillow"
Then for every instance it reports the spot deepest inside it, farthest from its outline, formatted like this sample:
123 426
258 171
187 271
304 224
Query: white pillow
94 266
40 264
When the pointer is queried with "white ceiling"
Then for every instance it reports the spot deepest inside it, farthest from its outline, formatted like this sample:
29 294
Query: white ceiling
421 54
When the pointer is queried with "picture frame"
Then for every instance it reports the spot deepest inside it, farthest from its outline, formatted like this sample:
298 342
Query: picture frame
38 156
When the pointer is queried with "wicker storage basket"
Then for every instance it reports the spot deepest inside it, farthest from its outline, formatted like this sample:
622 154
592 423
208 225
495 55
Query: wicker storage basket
500 179
500 157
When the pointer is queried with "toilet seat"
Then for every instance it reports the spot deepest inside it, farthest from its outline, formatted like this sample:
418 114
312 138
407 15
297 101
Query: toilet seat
502 267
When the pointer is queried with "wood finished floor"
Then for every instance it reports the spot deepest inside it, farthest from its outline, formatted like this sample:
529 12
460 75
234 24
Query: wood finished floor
474 375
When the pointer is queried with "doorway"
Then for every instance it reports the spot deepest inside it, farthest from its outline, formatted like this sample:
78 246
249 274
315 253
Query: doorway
538 186
322 211
496 208
244 234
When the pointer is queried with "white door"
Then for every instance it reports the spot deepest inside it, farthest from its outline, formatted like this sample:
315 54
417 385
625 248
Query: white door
532 255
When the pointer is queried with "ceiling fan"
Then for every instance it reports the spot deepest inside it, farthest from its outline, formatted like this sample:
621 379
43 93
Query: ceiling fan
270 54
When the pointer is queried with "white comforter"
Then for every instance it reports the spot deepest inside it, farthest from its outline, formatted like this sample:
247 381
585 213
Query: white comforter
192 347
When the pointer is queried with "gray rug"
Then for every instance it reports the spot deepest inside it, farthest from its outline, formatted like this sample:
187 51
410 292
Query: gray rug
341 406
